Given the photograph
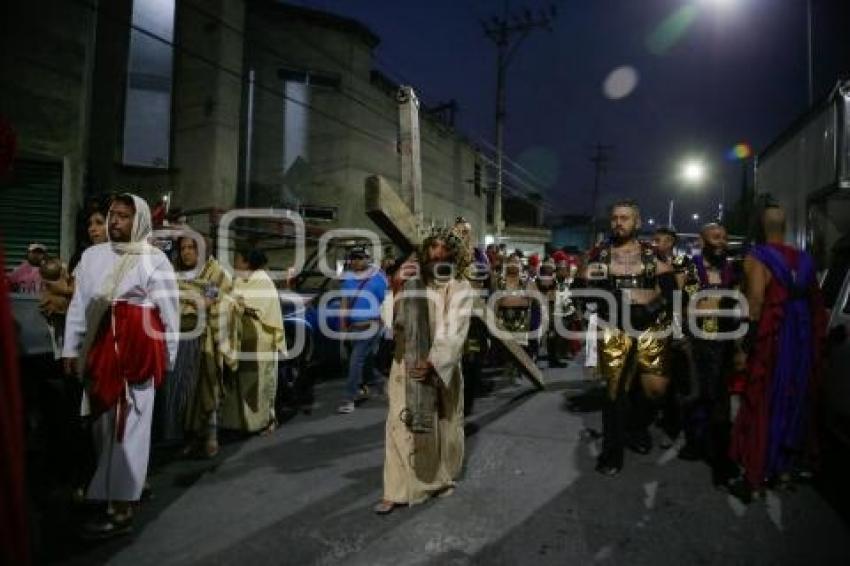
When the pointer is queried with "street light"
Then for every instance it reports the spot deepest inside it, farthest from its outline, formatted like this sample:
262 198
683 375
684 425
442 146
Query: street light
651 221
693 172
695 216
723 4
726 5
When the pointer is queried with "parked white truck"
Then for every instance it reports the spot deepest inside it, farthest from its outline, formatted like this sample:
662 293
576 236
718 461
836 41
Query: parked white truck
807 169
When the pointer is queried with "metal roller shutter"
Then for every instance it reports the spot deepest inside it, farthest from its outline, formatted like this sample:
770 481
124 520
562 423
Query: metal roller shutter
31 208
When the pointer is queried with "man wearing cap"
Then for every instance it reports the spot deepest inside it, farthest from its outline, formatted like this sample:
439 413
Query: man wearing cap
363 289
26 277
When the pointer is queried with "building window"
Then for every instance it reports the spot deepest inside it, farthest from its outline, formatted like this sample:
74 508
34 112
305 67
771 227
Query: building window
147 109
296 121
297 85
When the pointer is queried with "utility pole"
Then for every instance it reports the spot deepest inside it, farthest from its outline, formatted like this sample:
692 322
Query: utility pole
507 33
810 52
600 162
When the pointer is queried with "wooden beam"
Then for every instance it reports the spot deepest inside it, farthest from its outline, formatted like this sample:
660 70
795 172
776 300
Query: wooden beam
392 215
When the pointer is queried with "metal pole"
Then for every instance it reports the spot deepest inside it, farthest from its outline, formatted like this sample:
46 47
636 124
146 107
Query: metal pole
500 131
670 215
594 203
249 137
809 39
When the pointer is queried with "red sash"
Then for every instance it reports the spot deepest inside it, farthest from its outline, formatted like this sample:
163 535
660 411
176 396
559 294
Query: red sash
130 348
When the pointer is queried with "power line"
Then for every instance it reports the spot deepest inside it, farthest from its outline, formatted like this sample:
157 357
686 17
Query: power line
600 163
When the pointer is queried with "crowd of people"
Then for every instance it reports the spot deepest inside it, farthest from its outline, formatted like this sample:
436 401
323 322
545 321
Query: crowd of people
171 344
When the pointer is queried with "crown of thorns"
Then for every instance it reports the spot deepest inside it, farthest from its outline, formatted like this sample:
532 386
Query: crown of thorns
453 241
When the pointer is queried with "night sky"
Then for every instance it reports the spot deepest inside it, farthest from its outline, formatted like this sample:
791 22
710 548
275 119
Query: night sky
727 71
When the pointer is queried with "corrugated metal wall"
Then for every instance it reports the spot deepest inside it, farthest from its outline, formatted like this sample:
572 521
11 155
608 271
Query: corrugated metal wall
30 208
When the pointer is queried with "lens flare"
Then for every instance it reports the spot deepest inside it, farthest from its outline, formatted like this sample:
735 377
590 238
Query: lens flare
739 151
670 31
620 82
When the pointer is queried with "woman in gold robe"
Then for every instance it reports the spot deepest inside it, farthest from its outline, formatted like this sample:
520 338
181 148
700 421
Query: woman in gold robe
219 343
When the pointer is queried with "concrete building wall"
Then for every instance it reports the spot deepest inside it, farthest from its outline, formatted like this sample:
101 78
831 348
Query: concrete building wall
205 106
352 127
46 59
64 70
208 104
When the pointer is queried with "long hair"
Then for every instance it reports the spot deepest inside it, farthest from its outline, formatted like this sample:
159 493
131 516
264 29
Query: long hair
456 246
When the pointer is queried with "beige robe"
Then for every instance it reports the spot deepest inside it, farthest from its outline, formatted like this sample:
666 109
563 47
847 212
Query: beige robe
417 466
249 406
219 346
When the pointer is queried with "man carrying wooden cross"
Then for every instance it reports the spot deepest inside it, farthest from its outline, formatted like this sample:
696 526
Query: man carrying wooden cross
424 431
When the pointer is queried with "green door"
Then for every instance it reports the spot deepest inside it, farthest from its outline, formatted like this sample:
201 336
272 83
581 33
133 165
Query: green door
30 208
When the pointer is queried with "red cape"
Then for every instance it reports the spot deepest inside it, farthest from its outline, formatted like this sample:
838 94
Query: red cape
14 531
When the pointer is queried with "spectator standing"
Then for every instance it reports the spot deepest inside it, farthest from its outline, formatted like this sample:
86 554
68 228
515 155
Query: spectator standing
26 278
364 287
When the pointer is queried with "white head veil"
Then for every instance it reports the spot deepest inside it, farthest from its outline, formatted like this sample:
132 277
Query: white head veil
142 227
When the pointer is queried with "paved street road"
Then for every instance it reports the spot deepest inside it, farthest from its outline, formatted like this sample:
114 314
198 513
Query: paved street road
529 495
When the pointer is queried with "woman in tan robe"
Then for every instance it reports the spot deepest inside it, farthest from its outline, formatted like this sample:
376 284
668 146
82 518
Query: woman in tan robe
249 406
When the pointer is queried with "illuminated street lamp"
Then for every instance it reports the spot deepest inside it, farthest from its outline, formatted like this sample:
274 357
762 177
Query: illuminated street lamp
723 4
693 172
695 216
651 221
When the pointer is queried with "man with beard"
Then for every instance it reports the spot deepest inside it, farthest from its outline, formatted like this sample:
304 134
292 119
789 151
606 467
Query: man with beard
706 415
121 336
774 429
636 343
425 461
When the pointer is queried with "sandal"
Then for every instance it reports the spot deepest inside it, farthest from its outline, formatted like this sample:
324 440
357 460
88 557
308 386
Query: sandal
107 527
211 449
384 507
269 429
448 492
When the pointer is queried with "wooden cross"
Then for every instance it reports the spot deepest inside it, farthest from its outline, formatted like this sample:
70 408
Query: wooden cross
402 221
